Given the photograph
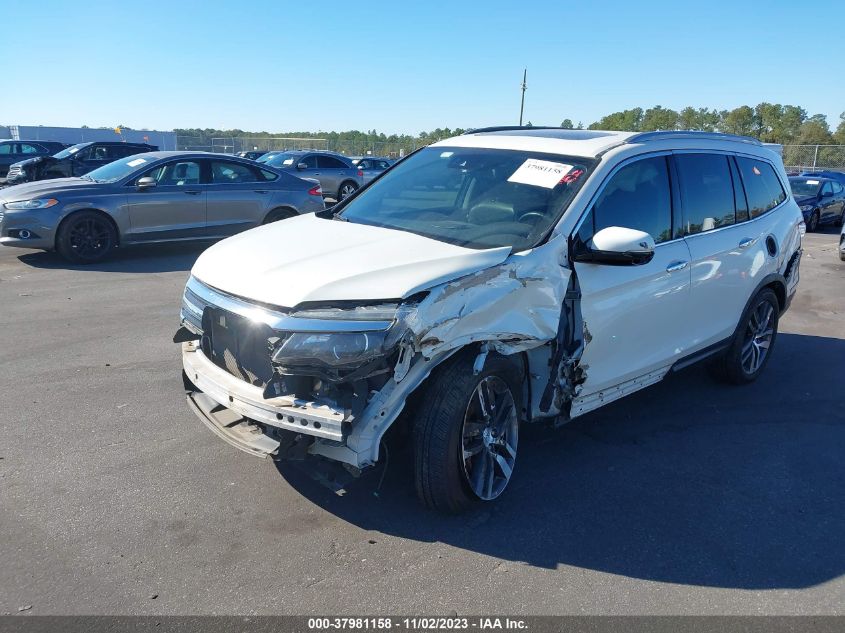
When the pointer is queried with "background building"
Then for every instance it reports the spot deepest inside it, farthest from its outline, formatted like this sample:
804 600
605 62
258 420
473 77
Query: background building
71 135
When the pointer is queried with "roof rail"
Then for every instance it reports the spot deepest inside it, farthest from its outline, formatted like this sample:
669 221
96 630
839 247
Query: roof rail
511 128
644 137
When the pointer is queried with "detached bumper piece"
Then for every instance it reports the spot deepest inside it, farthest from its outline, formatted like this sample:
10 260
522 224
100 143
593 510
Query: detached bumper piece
231 427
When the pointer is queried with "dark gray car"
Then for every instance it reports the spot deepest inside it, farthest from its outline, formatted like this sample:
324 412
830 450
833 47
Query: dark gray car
151 197
337 175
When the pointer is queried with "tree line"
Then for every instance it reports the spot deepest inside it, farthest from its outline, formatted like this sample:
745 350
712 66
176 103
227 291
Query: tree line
769 122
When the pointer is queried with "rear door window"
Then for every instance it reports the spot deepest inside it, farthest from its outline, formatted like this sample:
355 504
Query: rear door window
707 193
330 162
224 172
763 188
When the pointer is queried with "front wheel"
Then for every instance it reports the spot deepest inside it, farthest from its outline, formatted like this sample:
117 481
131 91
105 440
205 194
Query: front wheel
466 434
753 341
813 222
86 237
346 190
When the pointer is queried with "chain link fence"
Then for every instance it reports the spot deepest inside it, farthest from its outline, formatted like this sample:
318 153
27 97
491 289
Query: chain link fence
798 158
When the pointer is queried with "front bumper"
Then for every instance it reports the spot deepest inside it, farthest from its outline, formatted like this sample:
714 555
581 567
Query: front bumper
247 401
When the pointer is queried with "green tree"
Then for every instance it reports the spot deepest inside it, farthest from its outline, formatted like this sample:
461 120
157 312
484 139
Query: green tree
839 135
566 124
624 121
738 121
814 131
659 118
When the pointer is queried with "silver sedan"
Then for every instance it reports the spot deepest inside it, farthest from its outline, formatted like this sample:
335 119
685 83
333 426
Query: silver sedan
151 197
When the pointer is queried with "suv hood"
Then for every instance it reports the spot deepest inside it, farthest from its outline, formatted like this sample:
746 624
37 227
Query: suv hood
307 258
54 186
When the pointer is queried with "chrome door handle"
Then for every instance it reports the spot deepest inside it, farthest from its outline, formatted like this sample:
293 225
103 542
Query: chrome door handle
676 266
748 241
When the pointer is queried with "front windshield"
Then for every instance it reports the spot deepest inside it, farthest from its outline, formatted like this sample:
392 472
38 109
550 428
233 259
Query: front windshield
805 187
477 198
265 157
284 159
70 151
119 169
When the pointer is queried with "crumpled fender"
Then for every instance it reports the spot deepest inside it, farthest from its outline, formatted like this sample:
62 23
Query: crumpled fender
514 306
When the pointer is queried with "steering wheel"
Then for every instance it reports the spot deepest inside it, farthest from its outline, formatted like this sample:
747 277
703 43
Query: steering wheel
531 217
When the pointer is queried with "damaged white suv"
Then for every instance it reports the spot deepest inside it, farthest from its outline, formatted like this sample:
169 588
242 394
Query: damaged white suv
496 278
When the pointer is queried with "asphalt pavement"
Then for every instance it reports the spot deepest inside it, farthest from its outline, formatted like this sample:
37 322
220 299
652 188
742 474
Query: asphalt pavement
689 497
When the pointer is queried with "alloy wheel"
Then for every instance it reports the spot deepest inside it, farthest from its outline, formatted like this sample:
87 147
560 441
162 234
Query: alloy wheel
90 237
758 337
489 438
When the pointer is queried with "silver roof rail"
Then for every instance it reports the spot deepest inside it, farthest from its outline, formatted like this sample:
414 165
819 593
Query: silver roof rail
644 137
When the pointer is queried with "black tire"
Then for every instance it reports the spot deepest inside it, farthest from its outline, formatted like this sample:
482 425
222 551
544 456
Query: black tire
440 474
813 222
841 220
86 237
732 366
346 189
278 214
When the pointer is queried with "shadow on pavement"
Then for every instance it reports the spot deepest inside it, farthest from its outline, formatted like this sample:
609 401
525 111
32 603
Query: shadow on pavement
689 482
152 258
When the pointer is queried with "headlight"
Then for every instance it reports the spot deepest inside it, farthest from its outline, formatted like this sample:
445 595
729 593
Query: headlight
35 203
343 350
336 350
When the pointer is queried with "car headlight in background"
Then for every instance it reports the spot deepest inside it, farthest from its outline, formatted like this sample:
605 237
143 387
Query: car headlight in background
35 203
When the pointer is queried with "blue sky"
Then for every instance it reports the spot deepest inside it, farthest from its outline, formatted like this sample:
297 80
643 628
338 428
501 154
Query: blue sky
405 66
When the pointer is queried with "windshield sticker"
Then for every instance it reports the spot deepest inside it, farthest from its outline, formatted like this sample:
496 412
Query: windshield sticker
446 154
288 161
755 170
812 182
73 150
136 162
540 173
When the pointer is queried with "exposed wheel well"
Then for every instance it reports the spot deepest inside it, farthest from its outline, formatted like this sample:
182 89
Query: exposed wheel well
780 292
98 212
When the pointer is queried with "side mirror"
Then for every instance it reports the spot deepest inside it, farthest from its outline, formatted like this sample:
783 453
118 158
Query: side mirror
827 194
616 246
145 183
301 166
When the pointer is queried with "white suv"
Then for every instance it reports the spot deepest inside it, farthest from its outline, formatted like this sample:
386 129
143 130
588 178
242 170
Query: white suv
496 278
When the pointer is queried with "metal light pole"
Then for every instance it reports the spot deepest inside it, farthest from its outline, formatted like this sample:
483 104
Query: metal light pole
522 103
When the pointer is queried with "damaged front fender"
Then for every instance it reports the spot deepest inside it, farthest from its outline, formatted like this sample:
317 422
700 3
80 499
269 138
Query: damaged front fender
514 306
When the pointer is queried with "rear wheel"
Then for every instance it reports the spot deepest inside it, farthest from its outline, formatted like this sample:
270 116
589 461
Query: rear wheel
466 434
752 343
346 190
86 237
278 214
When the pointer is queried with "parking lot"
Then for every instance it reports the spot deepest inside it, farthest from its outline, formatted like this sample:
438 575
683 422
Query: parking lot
688 497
